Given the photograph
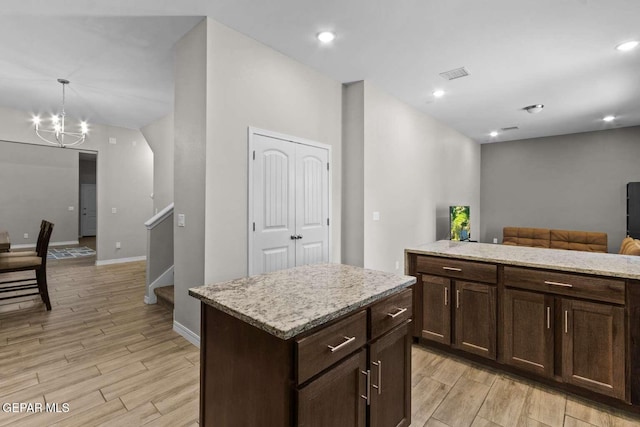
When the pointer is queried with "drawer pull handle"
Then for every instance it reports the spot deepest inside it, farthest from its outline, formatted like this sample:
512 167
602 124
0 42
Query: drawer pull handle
564 285
457 298
348 340
397 313
367 397
566 321
548 317
446 296
451 268
379 386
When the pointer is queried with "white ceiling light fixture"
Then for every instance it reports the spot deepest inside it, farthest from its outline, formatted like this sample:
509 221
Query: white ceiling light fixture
534 109
627 46
493 134
438 93
326 36
57 135
609 118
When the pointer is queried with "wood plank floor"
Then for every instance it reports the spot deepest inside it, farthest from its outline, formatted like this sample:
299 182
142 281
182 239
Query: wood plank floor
116 361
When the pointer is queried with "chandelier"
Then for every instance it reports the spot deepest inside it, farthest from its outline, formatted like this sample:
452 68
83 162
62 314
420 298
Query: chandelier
56 134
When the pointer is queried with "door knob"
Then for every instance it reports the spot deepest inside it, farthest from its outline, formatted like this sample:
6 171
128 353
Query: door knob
294 237
299 236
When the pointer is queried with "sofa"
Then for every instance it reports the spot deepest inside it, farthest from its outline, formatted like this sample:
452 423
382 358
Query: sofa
588 241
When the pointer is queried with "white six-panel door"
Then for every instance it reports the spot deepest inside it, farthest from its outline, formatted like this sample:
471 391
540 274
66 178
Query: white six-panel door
289 204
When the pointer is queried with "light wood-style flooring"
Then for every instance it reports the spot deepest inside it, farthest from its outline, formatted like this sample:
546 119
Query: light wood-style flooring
117 362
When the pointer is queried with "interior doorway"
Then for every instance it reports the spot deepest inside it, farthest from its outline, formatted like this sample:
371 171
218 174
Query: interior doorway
88 219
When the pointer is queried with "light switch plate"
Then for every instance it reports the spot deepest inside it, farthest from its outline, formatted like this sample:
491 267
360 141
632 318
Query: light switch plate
117 245
181 220
114 210
376 216
26 235
112 140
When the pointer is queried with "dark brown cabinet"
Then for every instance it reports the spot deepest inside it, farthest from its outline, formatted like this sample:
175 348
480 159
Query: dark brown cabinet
436 311
475 318
593 346
390 371
335 398
529 331
455 311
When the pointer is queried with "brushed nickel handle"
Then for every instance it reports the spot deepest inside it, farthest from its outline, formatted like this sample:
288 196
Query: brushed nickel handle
397 313
446 296
564 285
451 268
566 321
367 397
379 386
348 340
299 236
548 317
293 237
458 298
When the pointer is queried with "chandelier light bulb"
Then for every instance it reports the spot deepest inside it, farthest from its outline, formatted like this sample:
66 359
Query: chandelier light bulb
55 119
36 120
84 127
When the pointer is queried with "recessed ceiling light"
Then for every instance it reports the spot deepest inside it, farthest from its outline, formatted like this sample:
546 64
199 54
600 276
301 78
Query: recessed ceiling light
326 36
493 134
627 45
533 109
609 118
439 93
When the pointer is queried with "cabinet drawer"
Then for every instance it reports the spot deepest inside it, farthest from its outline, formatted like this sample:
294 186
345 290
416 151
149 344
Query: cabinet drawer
457 269
329 345
595 288
391 312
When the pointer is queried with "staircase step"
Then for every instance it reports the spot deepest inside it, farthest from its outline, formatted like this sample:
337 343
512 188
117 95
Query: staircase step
165 296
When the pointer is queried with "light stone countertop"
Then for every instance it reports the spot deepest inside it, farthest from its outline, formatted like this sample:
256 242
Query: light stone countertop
612 265
288 302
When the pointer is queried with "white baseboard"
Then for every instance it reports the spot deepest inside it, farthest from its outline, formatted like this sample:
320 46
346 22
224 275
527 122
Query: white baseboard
187 333
121 260
165 279
33 245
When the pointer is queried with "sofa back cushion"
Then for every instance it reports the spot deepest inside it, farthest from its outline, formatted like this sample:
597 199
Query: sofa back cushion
526 236
630 246
588 241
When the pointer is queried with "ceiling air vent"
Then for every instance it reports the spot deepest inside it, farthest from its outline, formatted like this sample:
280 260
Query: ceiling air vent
510 128
455 73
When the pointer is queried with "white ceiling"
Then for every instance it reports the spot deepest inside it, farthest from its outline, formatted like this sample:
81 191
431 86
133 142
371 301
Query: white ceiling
558 53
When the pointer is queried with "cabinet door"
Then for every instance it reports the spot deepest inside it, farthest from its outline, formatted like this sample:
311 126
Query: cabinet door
475 318
391 379
593 346
336 397
436 311
528 331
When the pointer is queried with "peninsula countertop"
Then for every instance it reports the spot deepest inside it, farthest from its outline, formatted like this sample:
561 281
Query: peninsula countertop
288 302
612 265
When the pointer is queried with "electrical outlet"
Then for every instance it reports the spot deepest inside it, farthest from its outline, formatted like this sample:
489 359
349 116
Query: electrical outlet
495 240
71 208
114 210
117 245
26 235
397 265
112 140
376 216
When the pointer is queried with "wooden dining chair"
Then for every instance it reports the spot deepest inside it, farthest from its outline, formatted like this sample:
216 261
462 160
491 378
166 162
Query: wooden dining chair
26 261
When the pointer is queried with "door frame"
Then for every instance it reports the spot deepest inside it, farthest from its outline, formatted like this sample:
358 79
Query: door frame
252 132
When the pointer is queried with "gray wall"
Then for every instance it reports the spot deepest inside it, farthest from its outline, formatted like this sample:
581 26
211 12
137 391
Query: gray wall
124 181
38 183
574 182
159 135
414 167
189 172
353 174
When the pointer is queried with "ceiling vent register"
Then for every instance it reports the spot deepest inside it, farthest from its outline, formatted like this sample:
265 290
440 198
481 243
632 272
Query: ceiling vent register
510 128
455 73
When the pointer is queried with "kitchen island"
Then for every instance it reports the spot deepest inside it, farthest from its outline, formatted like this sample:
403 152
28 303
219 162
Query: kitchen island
314 345
570 319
